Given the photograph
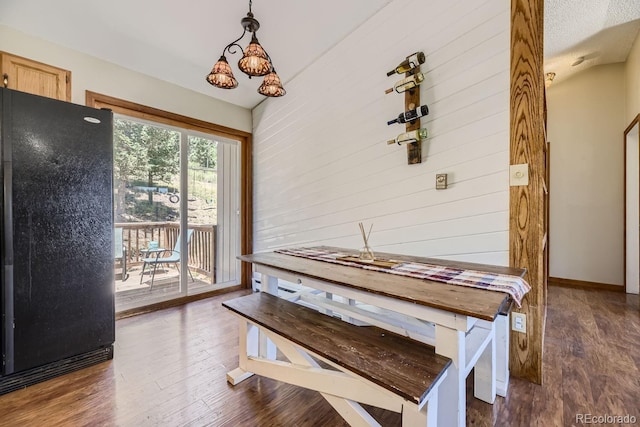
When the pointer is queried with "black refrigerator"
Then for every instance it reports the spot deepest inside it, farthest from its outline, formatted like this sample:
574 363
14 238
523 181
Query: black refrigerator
57 294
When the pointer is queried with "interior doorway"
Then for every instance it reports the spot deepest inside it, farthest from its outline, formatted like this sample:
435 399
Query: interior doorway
632 206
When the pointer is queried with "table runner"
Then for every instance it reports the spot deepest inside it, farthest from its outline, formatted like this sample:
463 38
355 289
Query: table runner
515 286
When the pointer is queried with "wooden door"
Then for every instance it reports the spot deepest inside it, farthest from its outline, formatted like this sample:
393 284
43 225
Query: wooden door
632 206
35 77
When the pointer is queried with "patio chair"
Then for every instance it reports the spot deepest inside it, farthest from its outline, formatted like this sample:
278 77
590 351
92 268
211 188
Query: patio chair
120 252
173 258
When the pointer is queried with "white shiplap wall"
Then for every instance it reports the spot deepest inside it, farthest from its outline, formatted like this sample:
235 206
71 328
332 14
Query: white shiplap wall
321 159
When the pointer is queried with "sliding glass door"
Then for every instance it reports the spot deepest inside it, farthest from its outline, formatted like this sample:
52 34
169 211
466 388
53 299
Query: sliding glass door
176 194
213 210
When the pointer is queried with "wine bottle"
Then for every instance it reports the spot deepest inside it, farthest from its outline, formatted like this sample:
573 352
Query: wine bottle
411 115
407 83
411 62
409 137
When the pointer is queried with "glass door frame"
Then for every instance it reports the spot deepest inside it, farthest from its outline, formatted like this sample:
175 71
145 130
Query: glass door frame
131 109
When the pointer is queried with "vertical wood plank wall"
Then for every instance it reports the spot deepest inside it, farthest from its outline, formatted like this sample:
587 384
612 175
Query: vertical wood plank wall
527 227
321 162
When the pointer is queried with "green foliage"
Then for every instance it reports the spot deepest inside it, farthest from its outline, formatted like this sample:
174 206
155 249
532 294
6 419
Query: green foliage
163 152
148 156
145 152
130 156
142 153
202 152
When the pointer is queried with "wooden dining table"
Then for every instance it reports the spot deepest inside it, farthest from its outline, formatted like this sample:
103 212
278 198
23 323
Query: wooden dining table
468 325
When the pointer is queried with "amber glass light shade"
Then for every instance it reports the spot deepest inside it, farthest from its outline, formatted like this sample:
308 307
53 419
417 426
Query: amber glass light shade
271 86
221 75
255 61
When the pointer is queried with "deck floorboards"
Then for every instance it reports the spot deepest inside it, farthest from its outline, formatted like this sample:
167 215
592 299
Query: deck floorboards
133 291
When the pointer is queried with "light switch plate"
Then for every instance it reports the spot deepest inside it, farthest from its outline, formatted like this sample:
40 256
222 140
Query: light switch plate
519 175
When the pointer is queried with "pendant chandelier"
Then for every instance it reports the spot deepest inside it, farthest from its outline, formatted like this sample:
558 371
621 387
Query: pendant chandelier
255 62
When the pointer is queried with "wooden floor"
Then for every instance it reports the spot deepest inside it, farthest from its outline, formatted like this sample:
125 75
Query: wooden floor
169 370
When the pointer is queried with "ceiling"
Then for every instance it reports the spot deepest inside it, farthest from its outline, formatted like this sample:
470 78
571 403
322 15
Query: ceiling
594 31
181 44
180 41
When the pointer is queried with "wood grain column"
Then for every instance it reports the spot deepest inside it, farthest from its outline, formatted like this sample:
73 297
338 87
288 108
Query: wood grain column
526 224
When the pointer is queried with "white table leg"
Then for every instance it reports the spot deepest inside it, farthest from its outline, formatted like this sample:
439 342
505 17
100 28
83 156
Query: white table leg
484 381
266 348
352 303
452 400
269 284
329 296
502 354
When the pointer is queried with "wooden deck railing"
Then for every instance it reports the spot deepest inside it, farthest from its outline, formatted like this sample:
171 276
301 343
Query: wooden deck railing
202 248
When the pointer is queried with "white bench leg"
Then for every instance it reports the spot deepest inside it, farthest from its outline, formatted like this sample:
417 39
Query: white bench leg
351 411
412 416
427 416
248 346
453 394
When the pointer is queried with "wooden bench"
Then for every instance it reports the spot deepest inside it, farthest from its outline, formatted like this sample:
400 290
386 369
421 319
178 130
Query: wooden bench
369 365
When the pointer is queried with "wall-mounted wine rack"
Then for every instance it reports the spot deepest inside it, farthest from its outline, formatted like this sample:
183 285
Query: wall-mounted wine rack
411 103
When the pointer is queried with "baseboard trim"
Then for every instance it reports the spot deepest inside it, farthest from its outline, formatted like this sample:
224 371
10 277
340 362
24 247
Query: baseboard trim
175 302
572 283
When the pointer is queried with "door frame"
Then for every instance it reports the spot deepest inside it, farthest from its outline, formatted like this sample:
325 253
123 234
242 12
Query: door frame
635 122
97 100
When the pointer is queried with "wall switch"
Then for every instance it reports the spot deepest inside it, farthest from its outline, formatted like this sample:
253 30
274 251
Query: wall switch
519 322
519 175
441 181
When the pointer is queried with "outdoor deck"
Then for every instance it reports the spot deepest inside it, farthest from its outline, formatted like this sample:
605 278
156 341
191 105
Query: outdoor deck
165 282
136 238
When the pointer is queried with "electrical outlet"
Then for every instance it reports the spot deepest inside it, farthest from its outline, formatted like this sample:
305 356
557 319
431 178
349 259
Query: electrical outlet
519 322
